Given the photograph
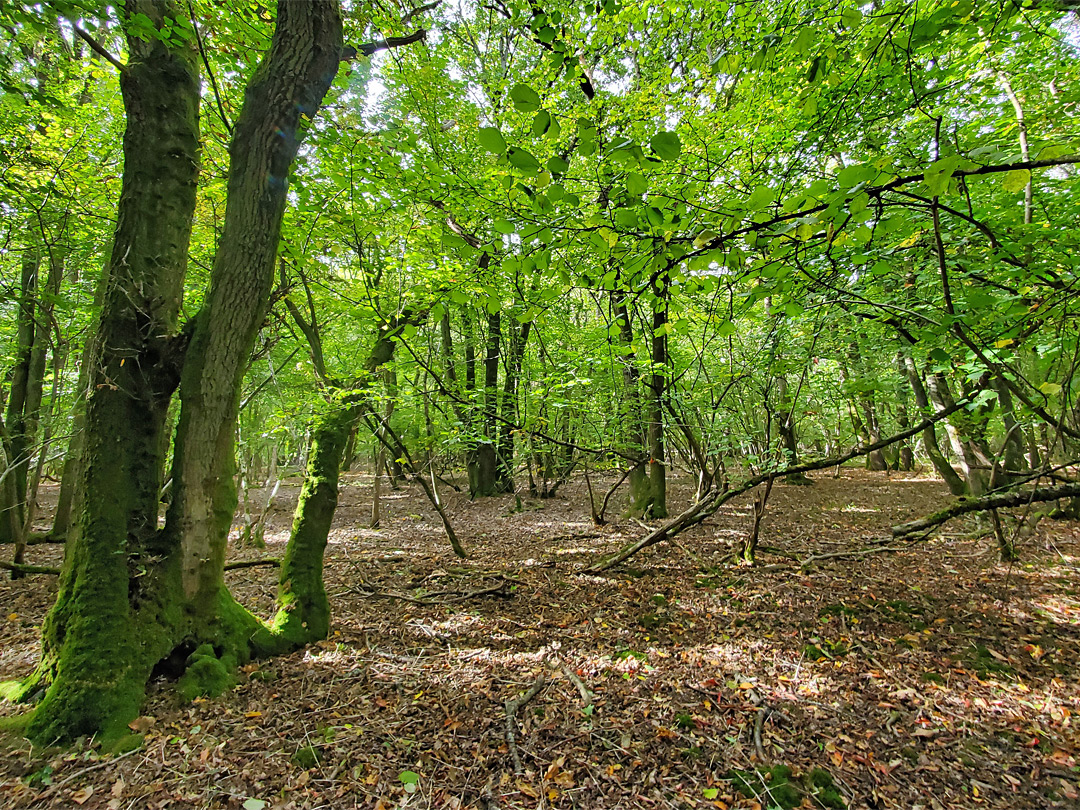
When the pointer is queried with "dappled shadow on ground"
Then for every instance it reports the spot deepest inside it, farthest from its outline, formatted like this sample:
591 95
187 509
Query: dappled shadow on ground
933 676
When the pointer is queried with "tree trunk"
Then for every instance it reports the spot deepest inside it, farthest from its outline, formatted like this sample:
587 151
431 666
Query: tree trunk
954 482
657 392
104 634
131 595
906 458
634 435
17 441
1015 441
505 446
484 466
973 459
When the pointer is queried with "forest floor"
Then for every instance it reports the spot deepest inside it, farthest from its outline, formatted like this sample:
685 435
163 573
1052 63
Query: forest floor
931 677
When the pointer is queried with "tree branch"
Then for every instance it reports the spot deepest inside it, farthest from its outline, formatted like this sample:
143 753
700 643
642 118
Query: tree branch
369 48
714 500
98 48
1001 500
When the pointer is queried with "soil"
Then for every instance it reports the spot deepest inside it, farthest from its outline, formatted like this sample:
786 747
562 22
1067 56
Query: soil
933 676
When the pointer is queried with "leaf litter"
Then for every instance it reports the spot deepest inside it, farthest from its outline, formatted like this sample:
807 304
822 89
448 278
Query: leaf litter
932 677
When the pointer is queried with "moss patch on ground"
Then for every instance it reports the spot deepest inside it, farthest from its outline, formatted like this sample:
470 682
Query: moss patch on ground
779 787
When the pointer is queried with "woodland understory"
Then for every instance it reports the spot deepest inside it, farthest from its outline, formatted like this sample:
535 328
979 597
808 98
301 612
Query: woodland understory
932 676
505 403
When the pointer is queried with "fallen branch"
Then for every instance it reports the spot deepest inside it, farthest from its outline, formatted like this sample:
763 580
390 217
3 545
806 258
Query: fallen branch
233 566
759 725
708 505
512 706
498 589
813 558
20 568
1000 500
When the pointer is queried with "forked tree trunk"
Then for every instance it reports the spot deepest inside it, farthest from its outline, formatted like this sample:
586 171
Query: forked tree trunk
131 595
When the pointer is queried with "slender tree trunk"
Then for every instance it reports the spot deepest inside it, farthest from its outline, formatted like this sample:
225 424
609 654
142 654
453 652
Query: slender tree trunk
18 442
975 465
484 470
658 391
509 411
954 482
1015 441
630 417
906 458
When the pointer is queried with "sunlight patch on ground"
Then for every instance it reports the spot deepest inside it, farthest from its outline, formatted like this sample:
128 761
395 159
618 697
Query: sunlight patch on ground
1062 609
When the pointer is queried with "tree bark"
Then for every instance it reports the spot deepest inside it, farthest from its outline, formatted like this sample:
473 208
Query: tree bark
103 635
285 91
131 595
952 480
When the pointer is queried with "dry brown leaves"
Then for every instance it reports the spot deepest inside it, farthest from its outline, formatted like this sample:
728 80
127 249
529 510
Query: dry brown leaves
934 678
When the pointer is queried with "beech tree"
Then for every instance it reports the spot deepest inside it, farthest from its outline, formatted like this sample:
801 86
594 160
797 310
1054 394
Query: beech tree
133 594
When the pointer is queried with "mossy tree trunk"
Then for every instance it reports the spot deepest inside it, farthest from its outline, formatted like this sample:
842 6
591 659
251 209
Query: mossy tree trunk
131 594
102 637
634 431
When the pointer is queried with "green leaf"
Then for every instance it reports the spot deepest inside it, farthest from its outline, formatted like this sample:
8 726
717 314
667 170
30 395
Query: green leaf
636 184
557 166
666 145
1016 180
254 804
851 176
850 17
760 197
410 780
1050 389
938 175
525 98
503 226
1054 151
541 123
491 140
523 160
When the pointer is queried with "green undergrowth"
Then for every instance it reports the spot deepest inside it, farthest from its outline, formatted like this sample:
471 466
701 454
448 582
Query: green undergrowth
778 787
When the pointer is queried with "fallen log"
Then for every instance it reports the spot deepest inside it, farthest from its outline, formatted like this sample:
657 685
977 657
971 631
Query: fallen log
996 500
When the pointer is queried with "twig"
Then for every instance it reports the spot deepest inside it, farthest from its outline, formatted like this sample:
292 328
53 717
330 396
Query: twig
512 706
583 690
20 568
82 772
233 566
759 724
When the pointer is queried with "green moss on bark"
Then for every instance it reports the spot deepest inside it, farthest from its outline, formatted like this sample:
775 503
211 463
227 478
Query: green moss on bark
206 674
304 610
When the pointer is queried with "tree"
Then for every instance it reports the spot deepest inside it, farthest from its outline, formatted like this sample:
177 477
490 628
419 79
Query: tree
132 594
